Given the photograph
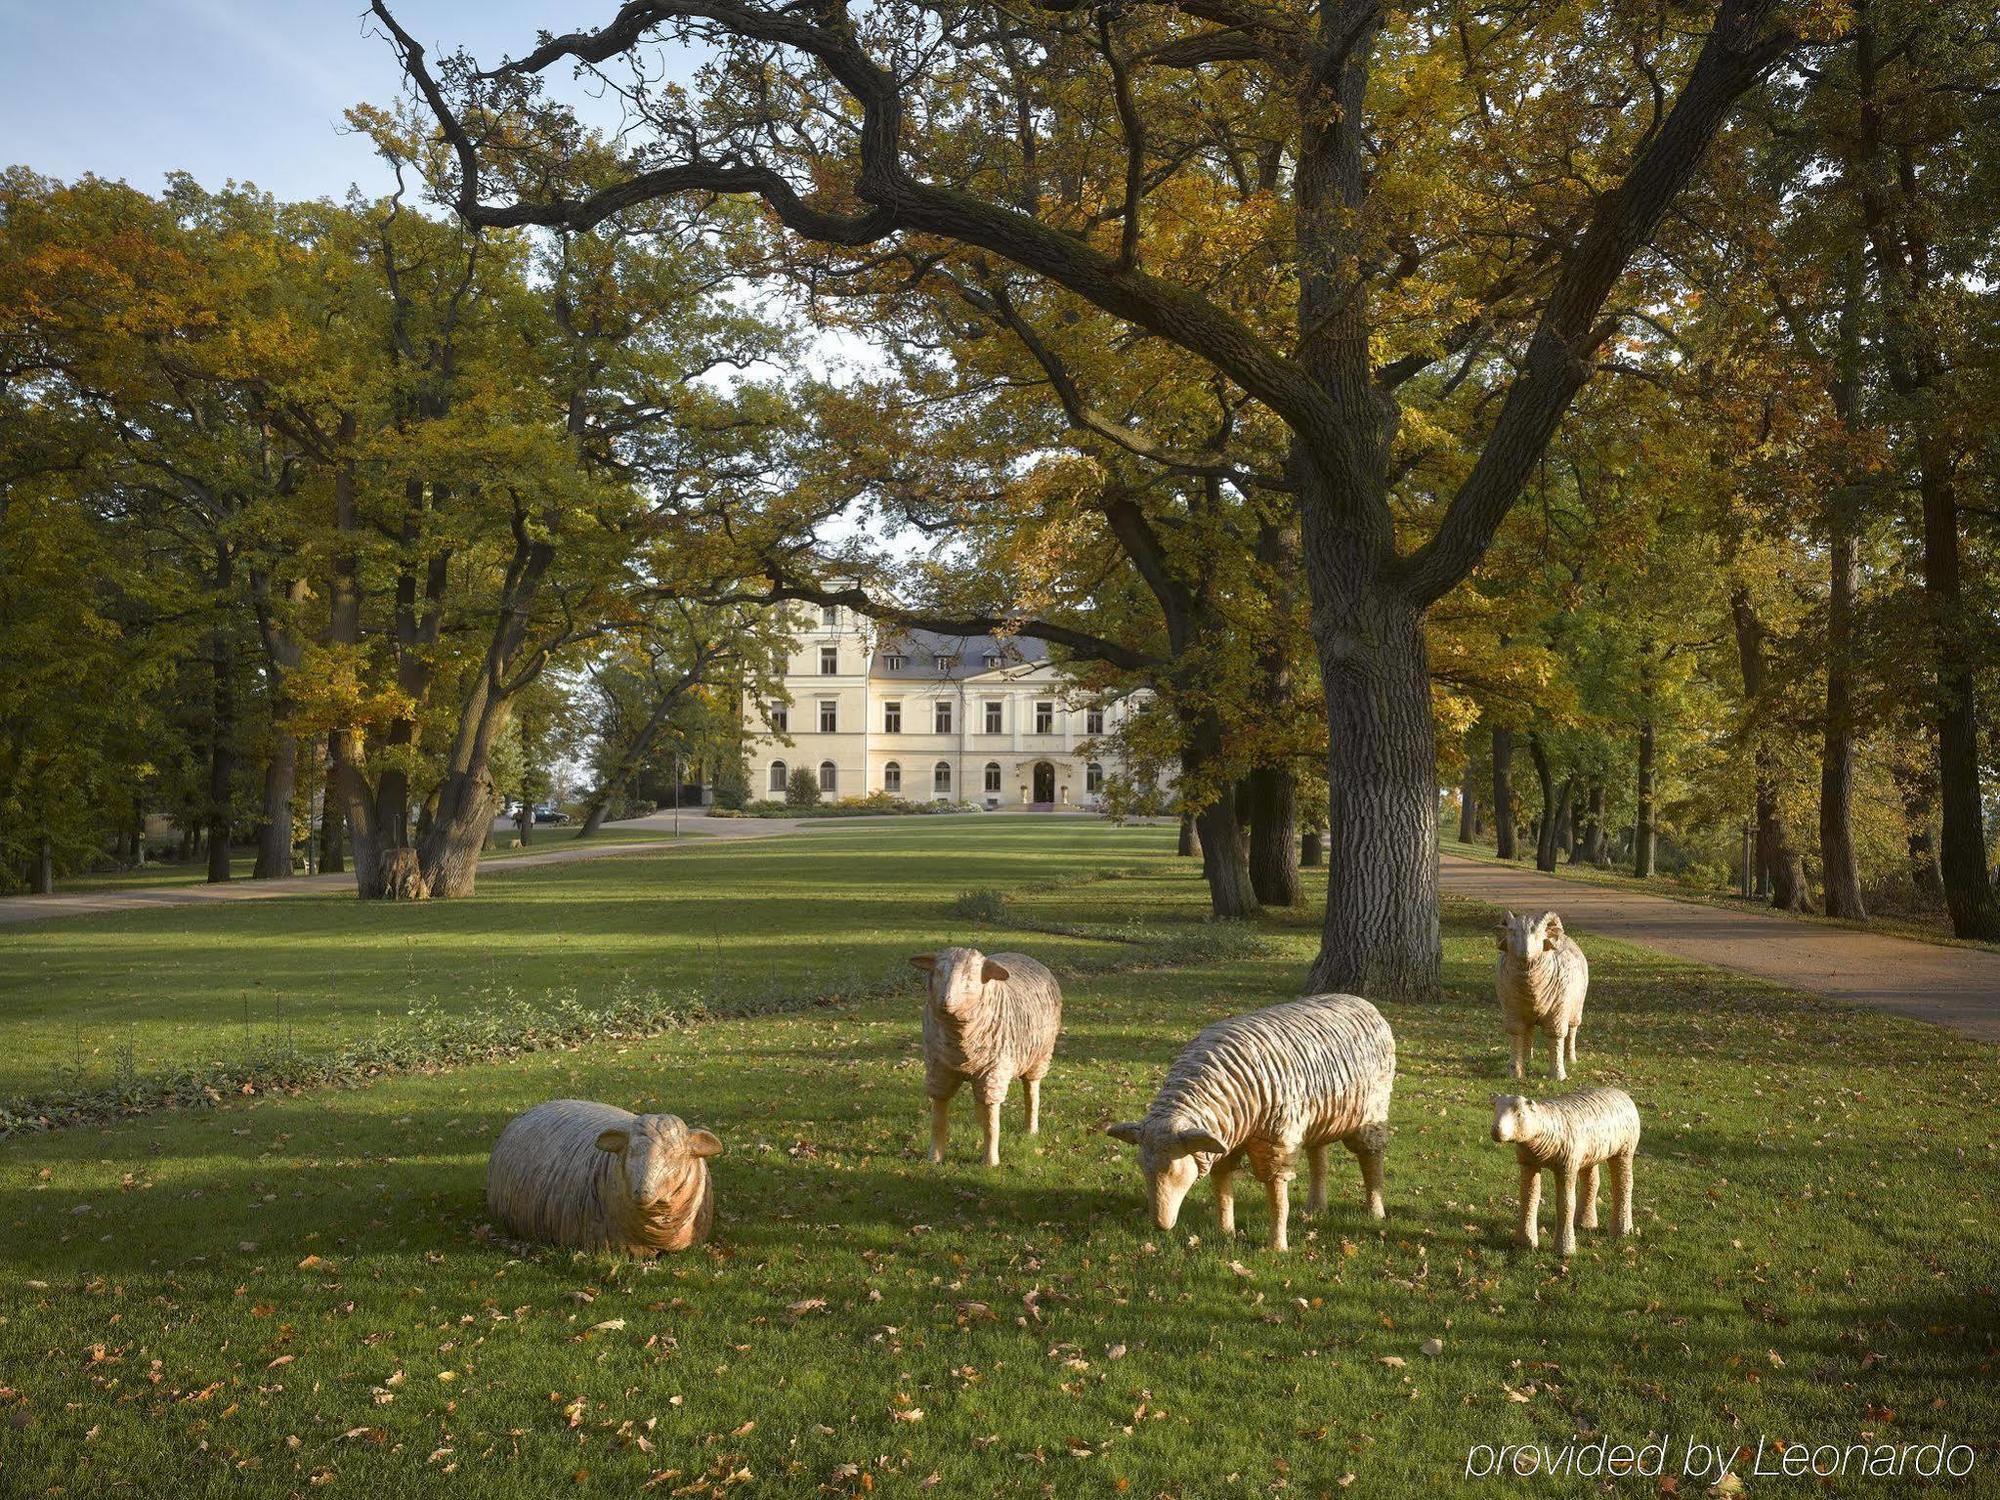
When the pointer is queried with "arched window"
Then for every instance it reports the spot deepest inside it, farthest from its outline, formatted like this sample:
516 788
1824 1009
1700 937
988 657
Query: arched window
778 774
892 779
827 776
941 778
993 776
1093 778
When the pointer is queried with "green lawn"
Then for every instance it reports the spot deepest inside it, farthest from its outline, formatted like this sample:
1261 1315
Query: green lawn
297 1295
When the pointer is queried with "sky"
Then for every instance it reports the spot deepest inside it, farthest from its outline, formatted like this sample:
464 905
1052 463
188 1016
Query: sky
250 90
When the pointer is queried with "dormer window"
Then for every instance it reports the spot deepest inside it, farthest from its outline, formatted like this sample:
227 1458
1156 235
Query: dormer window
992 660
895 661
943 663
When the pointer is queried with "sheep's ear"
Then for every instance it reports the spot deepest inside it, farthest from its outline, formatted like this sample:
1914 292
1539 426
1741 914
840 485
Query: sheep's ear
703 1143
614 1141
1200 1140
1125 1130
992 972
1552 926
924 961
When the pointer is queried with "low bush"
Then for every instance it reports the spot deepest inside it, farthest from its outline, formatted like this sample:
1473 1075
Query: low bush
980 906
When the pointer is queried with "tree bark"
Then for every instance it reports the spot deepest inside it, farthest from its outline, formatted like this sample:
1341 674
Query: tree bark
1225 859
222 732
1274 828
1189 844
1645 818
1840 872
1590 848
1468 805
274 836
1776 848
1545 823
43 881
1556 840
1312 849
1503 792
332 823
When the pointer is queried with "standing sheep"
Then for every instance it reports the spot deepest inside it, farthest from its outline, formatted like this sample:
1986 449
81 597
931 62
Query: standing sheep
1261 1087
1541 980
1571 1135
987 1021
596 1177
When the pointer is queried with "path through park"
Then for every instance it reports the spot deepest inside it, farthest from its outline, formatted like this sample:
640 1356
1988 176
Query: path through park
1958 988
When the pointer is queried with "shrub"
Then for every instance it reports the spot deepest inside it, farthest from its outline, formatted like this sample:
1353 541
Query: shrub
802 788
980 906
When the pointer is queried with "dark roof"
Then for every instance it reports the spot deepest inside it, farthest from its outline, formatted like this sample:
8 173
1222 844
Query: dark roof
920 649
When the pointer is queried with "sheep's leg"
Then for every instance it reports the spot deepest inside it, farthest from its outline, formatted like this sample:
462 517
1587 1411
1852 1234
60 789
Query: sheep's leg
1586 1199
1277 1191
1566 1209
1531 1206
1571 1044
1556 1069
1316 1165
1224 1173
1370 1145
1519 1044
1034 1090
1621 1193
940 1125
992 1107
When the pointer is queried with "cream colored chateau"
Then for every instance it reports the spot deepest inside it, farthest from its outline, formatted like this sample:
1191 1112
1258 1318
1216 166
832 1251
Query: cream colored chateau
873 709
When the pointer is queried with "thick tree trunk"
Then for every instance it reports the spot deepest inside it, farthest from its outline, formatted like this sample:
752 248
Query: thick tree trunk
274 837
1312 849
221 763
1555 830
1840 873
1776 849
1503 792
1548 824
1380 937
600 809
1590 848
1188 845
1274 829
1468 806
332 826
1225 859
42 882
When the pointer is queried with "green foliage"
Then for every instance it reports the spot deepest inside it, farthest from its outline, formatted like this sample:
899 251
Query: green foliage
980 906
802 787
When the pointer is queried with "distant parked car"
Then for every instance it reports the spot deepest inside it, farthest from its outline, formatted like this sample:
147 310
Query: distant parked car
551 815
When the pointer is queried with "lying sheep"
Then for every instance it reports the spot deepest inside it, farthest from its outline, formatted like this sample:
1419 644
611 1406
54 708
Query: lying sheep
1541 980
596 1177
1571 1135
1261 1087
987 1021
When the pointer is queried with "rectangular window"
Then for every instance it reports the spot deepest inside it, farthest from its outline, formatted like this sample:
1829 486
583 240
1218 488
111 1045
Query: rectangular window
829 615
895 661
892 718
1093 778
829 660
1093 721
993 776
992 717
992 661
829 715
942 663
1045 718
779 718
892 779
941 716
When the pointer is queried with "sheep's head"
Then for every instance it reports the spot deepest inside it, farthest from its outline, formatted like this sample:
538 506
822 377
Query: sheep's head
1514 1118
958 977
659 1155
1172 1157
1528 938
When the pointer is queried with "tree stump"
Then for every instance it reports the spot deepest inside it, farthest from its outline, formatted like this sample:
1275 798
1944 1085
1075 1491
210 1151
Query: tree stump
402 876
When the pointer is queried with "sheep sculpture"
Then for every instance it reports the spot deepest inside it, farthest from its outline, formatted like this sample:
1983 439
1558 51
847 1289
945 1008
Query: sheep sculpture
988 1020
595 1177
1571 1135
1260 1088
1541 980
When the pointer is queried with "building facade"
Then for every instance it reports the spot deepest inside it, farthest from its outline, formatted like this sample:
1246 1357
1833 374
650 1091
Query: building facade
924 717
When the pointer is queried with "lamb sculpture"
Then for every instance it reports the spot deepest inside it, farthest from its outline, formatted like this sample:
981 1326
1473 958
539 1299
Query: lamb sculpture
1541 980
1571 1135
595 1177
1261 1087
988 1020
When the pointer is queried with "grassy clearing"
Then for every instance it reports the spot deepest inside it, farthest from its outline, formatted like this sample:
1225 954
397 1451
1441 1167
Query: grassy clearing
299 1294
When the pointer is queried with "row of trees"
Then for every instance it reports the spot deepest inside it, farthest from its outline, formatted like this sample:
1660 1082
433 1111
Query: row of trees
1226 341
345 502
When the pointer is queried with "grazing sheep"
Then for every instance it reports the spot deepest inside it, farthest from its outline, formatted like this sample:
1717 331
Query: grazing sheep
1261 1087
1541 980
1571 1134
596 1177
987 1021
